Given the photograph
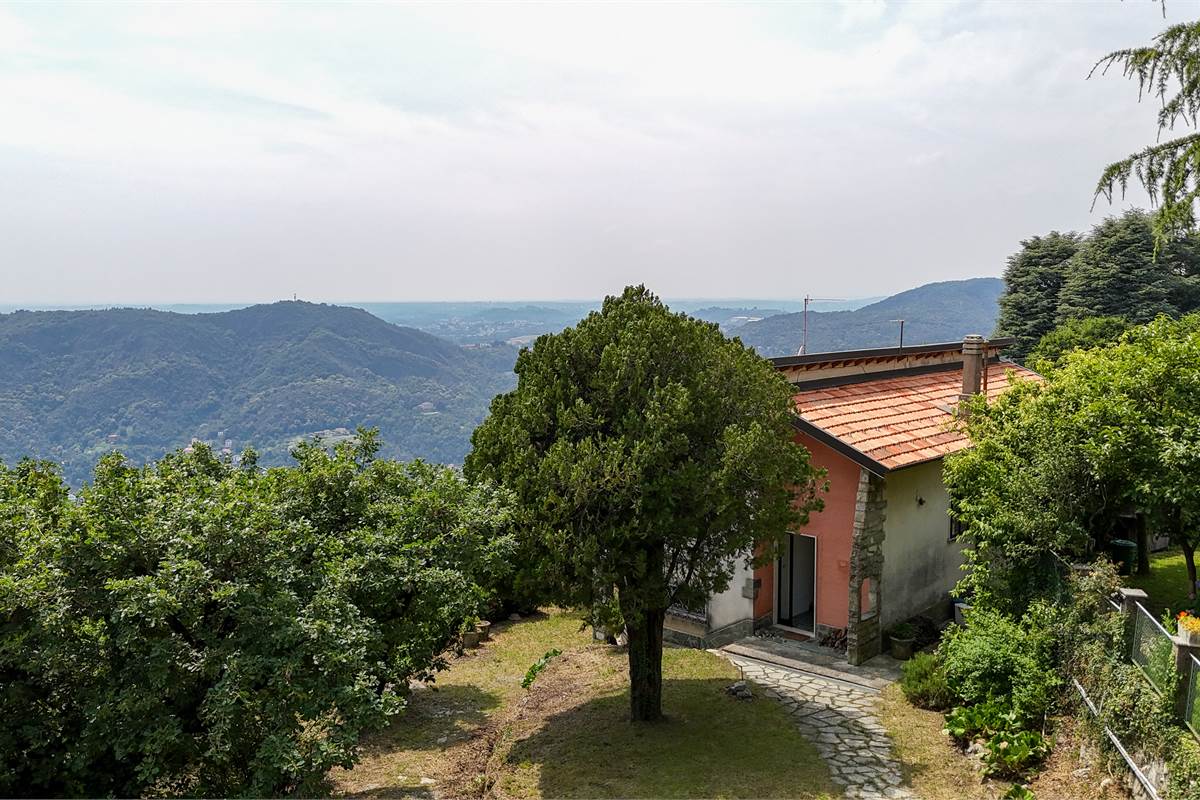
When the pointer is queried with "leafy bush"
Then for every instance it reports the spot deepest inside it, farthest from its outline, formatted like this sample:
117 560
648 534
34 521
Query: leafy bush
1011 754
996 658
1183 765
924 682
1019 792
198 628
967 723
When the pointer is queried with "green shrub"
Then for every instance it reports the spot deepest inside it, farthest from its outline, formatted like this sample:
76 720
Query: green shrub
924 683
1184 769
197 628
1019 792
996 658
1011 754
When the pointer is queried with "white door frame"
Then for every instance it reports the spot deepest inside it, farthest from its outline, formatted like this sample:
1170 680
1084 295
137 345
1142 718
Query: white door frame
775 599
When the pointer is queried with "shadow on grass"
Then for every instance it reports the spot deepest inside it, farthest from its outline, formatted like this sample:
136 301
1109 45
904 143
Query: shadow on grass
434 714
710 745
408 792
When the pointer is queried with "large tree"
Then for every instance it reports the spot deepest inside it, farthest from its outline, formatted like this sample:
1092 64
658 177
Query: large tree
1113 429
648 454
1032 280
1115 274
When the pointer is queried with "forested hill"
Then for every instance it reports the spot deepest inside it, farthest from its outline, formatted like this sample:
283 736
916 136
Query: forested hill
935 312
76 384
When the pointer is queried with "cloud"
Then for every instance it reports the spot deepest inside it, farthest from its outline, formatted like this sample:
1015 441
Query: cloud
861 12
539 150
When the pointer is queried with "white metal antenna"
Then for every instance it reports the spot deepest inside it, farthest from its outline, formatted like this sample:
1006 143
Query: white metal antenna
807 300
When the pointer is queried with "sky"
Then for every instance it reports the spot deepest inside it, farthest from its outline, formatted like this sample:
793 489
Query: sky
252 152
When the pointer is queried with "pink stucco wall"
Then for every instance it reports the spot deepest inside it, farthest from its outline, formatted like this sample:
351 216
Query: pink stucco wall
834 529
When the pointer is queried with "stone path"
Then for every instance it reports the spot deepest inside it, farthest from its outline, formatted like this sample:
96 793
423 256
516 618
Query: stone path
841 721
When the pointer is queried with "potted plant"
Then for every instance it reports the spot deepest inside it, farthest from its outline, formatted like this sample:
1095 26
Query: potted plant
1189 628
470 635
902 637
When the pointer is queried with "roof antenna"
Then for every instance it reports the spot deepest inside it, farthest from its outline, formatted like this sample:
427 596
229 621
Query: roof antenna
901 332
807 300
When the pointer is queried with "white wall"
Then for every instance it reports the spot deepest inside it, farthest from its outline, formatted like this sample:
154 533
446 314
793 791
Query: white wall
729 606
920 566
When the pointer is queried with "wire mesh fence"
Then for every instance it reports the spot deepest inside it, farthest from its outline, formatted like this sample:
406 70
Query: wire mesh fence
1191 711
1151 649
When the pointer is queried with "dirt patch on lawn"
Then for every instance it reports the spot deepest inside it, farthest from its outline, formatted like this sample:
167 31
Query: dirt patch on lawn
568 681
1075 771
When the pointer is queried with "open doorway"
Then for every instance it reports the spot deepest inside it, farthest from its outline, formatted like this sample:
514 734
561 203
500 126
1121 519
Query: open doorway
796 584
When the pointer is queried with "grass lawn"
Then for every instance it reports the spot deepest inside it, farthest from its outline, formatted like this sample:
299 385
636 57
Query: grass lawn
938 770
1167 583
480 734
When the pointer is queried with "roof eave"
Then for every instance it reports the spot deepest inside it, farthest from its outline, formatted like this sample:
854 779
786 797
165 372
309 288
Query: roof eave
998 343
840 447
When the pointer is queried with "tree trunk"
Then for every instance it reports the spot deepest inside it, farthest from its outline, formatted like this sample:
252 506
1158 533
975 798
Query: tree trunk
645 665
1143 543
1189 557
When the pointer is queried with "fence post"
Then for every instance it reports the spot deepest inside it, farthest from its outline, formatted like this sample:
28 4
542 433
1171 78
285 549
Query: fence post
1129 603
1183 675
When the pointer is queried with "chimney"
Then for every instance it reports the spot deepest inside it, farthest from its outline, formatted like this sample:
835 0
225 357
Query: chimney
973 352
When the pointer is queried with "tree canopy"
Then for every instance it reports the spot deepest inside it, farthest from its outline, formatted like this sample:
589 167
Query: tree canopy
648 453
1114 430
1110 272
1167 69
192 627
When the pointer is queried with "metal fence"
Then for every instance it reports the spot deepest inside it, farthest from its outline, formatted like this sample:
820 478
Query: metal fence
1191 711
1151 649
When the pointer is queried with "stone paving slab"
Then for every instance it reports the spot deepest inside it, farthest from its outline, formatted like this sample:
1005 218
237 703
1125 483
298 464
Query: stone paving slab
876 674
840 720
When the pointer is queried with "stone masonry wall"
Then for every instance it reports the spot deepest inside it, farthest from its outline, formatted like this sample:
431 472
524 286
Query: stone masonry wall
864 638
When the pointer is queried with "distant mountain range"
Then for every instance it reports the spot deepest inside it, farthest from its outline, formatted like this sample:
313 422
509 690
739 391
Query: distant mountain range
77 384
935 312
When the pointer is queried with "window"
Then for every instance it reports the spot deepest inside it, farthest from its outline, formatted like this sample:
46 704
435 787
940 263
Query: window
957 529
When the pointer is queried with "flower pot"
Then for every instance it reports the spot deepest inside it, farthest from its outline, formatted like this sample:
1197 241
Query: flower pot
960 610
484 629
902 649
1190 637
470 639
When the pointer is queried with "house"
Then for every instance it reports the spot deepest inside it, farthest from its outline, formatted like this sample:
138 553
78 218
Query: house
884 547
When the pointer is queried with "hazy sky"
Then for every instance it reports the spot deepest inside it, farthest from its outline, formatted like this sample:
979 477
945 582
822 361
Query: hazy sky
176 153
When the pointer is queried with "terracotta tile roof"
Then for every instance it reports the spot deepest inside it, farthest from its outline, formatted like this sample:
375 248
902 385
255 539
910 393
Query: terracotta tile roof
900 420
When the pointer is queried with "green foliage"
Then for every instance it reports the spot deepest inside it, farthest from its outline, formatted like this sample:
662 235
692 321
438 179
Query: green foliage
1057 464
997 659
536 667
1111 272
648 453
967 723
1168 69
1183 768
1012 754
263 376
195 628
1074 334
1019 792
1116 274
1033 278
923 682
